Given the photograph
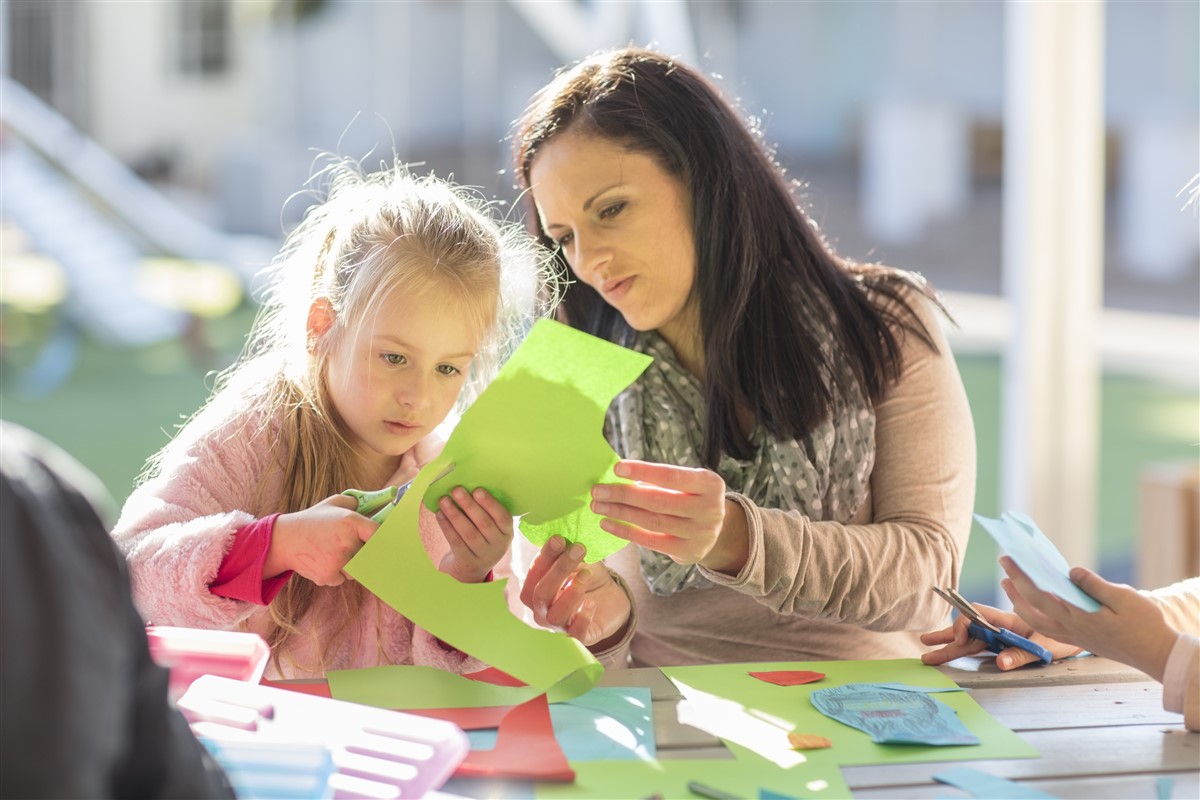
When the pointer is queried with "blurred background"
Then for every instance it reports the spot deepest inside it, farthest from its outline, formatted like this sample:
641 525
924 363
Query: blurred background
153 156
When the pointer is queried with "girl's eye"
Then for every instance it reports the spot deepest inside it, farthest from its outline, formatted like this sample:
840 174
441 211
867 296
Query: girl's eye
448 369
565 240
395 359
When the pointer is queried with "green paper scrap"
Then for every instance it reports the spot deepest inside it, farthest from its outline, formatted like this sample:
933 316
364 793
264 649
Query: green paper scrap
1021 540
403 687
742 777
791 706
535 437
473 617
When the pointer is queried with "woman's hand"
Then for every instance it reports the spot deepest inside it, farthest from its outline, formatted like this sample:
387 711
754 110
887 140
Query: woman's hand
319 541
478 529
679 511
567 595
958 641
1129 627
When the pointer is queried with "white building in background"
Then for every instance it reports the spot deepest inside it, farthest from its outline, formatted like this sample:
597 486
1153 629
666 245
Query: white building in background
233 99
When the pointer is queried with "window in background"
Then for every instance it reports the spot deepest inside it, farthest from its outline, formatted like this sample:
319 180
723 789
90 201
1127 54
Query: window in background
204 37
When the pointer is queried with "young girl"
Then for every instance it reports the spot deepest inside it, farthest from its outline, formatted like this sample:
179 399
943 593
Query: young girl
382 303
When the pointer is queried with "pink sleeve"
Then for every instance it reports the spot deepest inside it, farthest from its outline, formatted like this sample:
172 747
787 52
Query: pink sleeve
240 575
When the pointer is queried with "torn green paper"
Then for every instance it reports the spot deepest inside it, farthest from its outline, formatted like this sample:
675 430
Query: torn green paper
535 437
473 617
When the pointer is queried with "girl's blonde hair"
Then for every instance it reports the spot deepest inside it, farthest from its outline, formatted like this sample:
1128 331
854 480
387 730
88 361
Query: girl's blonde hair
374 234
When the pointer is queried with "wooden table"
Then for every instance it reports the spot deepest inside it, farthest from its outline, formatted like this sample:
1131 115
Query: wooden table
1099 726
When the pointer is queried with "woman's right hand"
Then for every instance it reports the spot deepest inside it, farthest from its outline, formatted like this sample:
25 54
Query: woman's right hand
319 541
583 600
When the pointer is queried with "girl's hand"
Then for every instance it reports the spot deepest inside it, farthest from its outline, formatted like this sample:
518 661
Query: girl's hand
959 642
1129 627
679 511
580 599
319 541
478 529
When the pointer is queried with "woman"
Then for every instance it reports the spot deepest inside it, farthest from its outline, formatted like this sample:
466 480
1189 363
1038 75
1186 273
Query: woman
801 448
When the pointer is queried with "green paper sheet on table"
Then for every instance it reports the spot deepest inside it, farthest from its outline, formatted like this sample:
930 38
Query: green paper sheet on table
535 437
546 475
791 706
745 776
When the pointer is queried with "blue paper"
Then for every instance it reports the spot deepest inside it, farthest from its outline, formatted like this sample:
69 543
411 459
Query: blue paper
605 724
1020 539
982 785
892 716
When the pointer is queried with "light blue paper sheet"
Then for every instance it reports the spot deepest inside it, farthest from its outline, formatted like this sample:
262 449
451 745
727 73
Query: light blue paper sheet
1021 540
990 787
605 724
892 716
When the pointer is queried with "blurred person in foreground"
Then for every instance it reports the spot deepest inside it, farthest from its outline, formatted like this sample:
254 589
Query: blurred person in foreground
1155 632
85 711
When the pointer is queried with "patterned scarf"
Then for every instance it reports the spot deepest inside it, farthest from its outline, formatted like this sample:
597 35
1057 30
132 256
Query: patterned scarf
825 476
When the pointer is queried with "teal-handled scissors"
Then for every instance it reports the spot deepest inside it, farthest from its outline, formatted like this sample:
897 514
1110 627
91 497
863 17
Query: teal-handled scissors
997 639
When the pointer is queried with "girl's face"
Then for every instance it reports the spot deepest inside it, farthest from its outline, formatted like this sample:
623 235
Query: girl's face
624 225
395 378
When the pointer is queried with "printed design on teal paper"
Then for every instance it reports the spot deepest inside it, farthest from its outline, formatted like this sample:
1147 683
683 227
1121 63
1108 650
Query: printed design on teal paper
892 716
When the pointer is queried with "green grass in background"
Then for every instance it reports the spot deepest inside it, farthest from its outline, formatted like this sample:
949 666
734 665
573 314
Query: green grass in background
121 405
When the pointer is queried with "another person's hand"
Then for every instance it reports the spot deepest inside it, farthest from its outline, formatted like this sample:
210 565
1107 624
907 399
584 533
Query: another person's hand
958 641
1129 627
478 529
319 541
678 511
568 595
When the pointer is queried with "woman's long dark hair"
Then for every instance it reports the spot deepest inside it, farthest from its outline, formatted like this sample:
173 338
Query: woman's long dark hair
757 252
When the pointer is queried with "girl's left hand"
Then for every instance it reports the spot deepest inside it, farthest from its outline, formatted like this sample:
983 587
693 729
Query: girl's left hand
478 529
679 511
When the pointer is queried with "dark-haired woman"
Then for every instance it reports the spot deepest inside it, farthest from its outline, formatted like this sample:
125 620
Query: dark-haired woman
801 449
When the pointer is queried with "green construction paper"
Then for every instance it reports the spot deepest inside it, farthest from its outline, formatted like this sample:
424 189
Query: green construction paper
409 687
791 705
745 776
535 437
473 617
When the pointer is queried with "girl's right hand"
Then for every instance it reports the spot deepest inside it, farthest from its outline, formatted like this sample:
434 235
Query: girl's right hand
580 599
319 541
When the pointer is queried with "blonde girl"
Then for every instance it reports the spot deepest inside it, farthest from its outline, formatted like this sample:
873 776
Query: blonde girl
392 302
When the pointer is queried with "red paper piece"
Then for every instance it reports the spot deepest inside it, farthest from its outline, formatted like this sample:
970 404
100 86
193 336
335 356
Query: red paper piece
525 748
493 676
789 677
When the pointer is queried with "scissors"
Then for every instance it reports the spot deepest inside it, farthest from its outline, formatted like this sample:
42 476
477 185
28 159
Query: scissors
378 504
997 639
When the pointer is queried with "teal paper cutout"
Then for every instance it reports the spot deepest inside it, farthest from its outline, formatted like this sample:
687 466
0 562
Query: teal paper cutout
535 437
890 716
1020 539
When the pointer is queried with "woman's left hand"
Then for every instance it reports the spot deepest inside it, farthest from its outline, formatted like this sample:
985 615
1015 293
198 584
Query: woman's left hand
679 511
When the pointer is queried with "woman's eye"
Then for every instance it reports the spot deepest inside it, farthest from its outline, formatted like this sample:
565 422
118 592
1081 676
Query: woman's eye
565 240
395 359
611 211
448 369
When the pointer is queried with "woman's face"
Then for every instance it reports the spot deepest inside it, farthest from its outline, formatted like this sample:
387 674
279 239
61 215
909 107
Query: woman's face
624 225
